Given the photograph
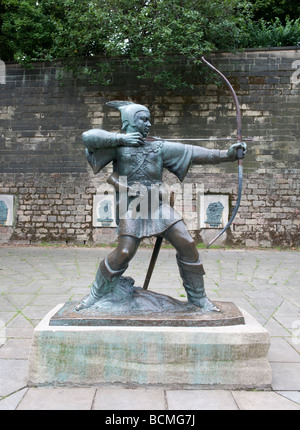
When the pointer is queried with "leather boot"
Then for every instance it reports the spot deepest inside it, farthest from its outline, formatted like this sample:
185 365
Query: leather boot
193 282
105 281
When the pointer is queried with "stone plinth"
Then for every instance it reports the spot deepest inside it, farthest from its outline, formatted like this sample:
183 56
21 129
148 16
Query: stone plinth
181 357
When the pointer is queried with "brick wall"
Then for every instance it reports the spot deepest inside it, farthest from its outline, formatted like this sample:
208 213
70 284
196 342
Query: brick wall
42 118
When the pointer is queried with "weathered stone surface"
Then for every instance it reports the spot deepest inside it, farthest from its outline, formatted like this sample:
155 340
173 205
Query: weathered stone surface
231 357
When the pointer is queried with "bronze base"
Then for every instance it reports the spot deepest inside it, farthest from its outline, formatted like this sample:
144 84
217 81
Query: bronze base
186 316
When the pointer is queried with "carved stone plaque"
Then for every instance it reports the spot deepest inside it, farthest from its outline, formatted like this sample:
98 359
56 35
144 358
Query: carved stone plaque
215 210
104 212
6 210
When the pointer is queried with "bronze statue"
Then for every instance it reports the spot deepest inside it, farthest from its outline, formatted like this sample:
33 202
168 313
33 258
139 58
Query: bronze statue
141 160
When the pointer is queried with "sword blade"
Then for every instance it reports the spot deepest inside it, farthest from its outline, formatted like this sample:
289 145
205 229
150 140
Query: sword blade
153 261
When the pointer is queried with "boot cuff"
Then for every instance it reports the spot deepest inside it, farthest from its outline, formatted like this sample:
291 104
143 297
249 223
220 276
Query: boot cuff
108 273
191 267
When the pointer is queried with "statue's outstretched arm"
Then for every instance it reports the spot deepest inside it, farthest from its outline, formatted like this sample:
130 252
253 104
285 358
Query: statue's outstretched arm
98 138
215 156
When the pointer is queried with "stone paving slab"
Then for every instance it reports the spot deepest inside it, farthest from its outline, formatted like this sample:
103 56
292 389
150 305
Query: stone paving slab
13 376
11 402
285 376
129 399
122 399
57 399
201 400
263 282
248 400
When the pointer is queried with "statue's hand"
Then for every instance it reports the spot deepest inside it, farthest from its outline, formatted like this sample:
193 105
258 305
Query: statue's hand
131 139
232 151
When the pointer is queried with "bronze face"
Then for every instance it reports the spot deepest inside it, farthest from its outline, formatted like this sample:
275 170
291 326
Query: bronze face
142 122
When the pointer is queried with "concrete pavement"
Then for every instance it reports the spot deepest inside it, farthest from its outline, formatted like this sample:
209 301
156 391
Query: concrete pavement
34 279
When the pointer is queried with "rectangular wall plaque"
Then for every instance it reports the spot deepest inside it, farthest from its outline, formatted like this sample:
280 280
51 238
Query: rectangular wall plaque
6 210
214 211
104 210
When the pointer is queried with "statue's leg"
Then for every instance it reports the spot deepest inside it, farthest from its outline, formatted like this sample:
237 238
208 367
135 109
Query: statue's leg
110 270
124 252
190 266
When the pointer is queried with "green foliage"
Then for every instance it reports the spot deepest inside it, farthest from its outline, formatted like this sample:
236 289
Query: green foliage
26 32
149 35
263 34
269 10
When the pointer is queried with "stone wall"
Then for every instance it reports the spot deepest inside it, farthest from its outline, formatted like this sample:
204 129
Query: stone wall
43 113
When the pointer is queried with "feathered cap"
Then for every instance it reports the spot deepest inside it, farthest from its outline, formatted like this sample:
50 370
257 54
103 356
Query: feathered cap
128 111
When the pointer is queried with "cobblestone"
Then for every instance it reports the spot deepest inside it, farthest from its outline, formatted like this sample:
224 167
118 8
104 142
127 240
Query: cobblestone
35 279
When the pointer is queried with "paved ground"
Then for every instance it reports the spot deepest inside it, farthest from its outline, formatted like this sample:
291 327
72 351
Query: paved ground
33 280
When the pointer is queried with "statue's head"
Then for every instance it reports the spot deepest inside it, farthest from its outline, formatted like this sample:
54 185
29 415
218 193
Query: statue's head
133 116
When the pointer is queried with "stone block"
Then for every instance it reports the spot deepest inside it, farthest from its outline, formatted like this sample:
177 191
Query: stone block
231 357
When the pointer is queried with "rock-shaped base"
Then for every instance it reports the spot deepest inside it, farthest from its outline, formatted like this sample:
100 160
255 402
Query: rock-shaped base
130 305
128 299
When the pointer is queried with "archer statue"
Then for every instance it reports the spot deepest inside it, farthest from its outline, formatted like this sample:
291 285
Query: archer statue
141 160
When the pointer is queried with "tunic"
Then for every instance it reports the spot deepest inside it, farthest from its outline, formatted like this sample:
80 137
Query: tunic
144 166
143 216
